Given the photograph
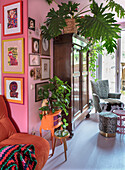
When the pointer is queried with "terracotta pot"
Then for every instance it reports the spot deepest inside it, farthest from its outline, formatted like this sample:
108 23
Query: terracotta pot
71 26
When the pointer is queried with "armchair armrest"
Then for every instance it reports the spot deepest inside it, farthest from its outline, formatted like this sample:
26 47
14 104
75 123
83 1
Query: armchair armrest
96 101
114 95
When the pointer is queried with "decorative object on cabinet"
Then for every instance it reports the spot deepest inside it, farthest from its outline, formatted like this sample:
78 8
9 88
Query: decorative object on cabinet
31 24
34 60
13 89
45 68
12 18
35 45
44 46
71 65
37 73
13 56
39 91
98 18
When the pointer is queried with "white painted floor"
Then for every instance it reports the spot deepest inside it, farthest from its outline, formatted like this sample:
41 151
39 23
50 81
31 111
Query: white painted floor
88 150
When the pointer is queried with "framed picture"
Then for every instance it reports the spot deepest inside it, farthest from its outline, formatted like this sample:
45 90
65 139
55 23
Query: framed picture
12 18
34 60
13 89
13 56
39 91
37 73
35 45
45 68
44 46
31 24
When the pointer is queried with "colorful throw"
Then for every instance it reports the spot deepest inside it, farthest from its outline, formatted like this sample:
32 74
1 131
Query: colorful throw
17 157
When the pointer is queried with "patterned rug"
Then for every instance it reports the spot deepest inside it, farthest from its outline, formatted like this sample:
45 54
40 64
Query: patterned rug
16 157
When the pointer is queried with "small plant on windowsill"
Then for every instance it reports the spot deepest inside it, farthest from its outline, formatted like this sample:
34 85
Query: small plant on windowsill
56 96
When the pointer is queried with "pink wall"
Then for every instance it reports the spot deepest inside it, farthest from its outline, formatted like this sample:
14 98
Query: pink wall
19 112
37 10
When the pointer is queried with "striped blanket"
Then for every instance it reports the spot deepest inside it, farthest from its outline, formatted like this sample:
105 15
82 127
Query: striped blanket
17 157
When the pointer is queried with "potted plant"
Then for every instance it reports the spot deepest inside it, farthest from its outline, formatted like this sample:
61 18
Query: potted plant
56 95
99 26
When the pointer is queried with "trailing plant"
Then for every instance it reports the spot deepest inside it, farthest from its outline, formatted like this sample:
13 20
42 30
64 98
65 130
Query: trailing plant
57 93
99 25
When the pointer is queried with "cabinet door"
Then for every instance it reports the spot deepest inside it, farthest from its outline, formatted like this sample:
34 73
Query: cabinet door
75 76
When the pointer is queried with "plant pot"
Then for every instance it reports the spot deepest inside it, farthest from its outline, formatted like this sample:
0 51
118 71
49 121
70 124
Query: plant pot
71 26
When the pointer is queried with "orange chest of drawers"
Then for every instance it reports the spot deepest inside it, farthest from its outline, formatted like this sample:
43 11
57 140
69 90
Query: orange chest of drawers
51 122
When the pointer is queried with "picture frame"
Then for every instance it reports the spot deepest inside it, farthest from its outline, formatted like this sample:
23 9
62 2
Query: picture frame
45 68
13 89
34 60
35 45
37 73
38 90
12 18
13 56
31 23
44 46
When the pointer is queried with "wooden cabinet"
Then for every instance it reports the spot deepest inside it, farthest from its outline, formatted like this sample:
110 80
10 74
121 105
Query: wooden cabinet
71 65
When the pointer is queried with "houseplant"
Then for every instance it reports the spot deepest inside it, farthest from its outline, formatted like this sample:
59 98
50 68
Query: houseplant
57 93
99 26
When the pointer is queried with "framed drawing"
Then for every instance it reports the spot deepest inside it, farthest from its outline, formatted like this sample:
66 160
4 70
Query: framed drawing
31 24
44 46
12 18
45 68
13 89
34 60
35 45
37 73
39 91
13 56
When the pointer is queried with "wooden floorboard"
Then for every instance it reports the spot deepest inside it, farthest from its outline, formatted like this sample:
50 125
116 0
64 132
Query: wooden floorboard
88 150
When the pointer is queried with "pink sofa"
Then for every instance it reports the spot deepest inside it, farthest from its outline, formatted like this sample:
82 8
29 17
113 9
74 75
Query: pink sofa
9 136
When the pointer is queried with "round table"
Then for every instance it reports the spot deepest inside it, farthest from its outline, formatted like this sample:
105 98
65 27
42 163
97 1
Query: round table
120 121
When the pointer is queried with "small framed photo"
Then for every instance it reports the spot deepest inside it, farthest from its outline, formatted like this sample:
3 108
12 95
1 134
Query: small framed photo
34 60
45 68
44 46
13 56
31 24
35 45
37 73
39 91
13 89
12 18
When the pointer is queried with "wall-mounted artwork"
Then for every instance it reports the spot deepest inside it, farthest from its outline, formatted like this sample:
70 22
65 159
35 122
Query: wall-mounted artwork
12 18
37 73
39 91
13 56
35 45
13 89
31 24
45 68
44 46
34 60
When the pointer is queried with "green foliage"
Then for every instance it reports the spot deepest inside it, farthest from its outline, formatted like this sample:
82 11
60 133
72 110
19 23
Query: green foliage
58 94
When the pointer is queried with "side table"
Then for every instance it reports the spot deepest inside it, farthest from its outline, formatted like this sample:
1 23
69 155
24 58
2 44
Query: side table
51 122
62 135
120 121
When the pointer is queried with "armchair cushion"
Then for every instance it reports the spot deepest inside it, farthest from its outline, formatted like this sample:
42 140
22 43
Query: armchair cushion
103 88
114 95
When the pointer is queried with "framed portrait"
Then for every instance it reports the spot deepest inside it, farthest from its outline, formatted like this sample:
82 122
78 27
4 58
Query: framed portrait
37 73
13 56
12 18
45 68
44 46
35 45
34 60
39 91
31 24
13 89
